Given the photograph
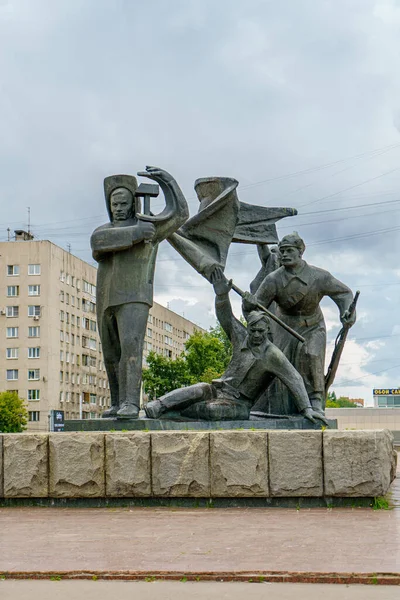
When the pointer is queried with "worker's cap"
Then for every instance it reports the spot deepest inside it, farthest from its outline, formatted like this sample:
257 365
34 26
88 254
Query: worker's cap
294 240
255 316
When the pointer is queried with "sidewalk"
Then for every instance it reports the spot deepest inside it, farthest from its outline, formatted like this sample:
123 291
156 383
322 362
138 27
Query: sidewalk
275 544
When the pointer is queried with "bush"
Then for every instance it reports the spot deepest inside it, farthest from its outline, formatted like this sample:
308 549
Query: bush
13 413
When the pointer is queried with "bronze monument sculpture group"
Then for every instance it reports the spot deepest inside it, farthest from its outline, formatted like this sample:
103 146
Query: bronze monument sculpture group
277 364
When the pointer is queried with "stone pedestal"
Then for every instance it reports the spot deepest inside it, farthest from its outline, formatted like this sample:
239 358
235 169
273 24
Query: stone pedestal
144 424
260 467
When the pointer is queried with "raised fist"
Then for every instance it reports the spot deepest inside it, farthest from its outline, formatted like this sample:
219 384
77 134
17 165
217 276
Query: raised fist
143 231
157 174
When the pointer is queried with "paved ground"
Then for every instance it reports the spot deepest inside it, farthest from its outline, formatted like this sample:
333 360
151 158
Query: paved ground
101 590
183 542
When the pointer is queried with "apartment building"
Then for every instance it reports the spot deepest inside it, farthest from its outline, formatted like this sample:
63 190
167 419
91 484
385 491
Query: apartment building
50 350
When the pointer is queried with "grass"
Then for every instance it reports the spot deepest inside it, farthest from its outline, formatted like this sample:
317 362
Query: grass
380 503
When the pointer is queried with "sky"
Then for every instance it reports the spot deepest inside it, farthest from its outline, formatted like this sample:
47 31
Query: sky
298 100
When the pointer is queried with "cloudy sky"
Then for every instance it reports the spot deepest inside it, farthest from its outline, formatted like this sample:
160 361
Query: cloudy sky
299 100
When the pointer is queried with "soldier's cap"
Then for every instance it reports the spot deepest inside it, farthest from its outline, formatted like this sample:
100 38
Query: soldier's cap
113 182
255 316
294 240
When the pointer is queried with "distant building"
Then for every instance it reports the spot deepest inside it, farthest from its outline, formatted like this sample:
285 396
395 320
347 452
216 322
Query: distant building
356 401
386 398
50 350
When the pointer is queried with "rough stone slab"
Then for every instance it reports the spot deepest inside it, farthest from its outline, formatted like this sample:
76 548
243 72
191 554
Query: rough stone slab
239 463
25 465
295 463
180 464
128 464
1 467
358 463
76 465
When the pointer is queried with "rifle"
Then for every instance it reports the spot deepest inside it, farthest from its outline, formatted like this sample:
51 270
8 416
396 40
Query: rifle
339 345
271 315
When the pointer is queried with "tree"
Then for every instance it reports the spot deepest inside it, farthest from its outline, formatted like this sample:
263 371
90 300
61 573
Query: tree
13 413
333 402
165 374
204 351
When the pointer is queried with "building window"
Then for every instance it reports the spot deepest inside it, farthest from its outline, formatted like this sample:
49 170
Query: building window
61 315
33 290
168 340
12 332
67 357
66 298
12 311
168 327
67 377
12 291
67 337
61 356
12 353
12 270
33 394
92 398
72 300
149 346
61 396
34 352
61 376
93 326
34 310
61 335
150 319
149 332
34 415
12 374
68 279
33 332
33 374
67 318
33 269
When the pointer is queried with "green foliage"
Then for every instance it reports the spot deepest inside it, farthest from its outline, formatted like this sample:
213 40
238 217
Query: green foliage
333 402
13 413
206 358
204 351
220 334
164 374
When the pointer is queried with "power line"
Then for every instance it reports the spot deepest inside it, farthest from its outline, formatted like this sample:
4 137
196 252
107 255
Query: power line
352 187
342 383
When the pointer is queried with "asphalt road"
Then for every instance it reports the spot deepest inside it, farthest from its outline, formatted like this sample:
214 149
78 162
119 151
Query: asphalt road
168 590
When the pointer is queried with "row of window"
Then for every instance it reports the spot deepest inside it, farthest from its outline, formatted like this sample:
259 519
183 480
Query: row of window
33 311
33 374
87 398
30 395
84 378
13 270
167 326
33 352
13 332
71 280
13 290
68 318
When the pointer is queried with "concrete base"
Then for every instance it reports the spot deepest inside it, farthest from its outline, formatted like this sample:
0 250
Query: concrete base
144 424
